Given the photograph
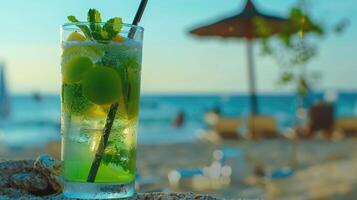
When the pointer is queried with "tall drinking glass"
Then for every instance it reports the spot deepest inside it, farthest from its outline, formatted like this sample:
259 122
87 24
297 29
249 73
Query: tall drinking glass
99 111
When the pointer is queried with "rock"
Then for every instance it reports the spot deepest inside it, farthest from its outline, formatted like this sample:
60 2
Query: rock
51 169
16 166
4 180
47 165
12 193
31 182
8 168
41 177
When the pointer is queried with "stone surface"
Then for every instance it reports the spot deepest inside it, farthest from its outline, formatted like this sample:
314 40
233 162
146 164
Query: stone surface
13 193
7 169
47 165
40 177
34 180
10 193
4 180
31 182
51 169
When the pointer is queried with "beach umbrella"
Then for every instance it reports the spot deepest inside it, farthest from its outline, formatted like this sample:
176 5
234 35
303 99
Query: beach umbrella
246 25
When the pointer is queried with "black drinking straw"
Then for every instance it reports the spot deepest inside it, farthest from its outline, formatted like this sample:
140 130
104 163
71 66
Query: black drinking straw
113 108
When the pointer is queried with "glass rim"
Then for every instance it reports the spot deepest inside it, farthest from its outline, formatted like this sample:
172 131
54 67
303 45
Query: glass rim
68 24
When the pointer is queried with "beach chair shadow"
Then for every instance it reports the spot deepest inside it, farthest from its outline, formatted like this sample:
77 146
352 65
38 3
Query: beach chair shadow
262 127
347 126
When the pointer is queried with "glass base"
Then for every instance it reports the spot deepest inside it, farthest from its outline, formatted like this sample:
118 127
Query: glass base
80 190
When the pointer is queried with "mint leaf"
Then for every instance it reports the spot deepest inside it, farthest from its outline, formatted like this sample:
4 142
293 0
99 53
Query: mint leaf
96 31
131 63
86 31
72 18
94 18
113 27
120 157
104 35
73 100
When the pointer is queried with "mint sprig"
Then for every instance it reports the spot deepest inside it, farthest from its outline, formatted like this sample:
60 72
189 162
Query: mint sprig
86 31
113 27
124 158
96 31
94 18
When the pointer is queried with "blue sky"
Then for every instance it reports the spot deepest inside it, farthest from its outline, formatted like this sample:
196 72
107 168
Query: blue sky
174 61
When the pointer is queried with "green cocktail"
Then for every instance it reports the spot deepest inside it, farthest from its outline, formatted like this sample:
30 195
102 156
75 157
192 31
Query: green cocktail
97 73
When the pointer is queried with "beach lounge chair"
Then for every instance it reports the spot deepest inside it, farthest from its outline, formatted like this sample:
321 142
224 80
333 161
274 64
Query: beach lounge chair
227 128
219 128
262 127
347 125
322 119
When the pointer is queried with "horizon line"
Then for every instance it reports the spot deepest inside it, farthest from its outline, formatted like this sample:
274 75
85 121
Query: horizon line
188 93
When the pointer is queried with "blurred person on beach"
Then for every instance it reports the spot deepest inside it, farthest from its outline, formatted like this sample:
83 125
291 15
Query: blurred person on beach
37 97
179 120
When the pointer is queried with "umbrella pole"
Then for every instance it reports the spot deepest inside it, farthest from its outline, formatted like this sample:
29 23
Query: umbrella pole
251 76
252 89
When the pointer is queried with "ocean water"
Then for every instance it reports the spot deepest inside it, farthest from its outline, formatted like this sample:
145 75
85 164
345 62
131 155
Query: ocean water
34 123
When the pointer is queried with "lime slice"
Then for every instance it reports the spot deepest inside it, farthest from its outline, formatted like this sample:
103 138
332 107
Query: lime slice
73 100
98 111
73 70
84 50
72 51
102 85
75 37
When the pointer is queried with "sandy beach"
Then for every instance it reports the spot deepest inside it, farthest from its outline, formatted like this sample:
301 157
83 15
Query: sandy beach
323 169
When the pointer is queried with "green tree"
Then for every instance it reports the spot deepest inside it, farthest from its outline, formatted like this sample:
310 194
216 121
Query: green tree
294 47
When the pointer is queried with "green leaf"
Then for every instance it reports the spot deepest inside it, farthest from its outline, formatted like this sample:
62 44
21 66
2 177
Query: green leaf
120 157
97 35
94 18
286 78
113 26
262 27
73 100
86 31
104 35
131 63
302 87
72 18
